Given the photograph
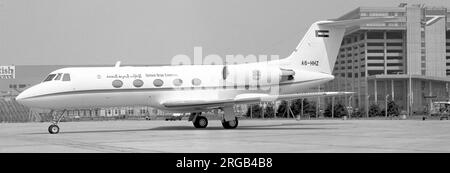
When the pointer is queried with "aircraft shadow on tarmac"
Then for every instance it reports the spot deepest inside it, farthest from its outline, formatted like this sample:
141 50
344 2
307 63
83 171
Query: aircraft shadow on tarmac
284 126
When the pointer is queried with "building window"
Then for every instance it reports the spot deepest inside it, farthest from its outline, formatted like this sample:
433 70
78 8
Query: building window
394 71
138 83
117 83
394 51
375 64
375 44
375 57
395 57
378 14
375 51
375 72
375 35
394 35
158 82
196 81
394 64
394 44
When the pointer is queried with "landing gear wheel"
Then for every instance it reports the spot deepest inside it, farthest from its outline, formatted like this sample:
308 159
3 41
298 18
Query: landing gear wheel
230 124
53 129
200 122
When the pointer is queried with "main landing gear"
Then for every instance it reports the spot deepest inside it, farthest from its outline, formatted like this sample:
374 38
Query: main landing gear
229 119
198 120
54 129
230 124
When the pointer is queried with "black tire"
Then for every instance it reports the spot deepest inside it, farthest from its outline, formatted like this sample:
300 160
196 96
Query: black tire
230 124
53 129
200 122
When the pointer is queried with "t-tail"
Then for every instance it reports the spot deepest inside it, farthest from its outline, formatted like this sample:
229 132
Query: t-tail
319 48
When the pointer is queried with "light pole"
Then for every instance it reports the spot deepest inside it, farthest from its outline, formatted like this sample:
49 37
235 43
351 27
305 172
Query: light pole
350 104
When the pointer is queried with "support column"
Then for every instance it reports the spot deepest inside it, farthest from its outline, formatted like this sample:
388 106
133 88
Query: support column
392 89
385 51
375 91
430 93
318 103
365 76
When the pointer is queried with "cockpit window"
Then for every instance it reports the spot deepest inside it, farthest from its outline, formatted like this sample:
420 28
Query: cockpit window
66 77
58 77
49 77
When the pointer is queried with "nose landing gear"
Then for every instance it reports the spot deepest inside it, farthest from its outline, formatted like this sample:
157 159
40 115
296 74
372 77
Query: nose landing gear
54 128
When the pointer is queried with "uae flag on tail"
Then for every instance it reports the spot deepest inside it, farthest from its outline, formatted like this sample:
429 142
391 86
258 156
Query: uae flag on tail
322 33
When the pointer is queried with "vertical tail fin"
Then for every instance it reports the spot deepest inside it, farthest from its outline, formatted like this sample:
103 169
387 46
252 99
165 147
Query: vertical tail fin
319 47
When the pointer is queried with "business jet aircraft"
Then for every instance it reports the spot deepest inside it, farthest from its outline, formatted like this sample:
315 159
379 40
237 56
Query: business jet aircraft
197 88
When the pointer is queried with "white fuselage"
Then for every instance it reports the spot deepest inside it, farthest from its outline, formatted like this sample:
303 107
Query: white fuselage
92 87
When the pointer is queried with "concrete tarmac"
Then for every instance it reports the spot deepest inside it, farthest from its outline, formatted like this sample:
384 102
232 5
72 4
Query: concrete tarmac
286 136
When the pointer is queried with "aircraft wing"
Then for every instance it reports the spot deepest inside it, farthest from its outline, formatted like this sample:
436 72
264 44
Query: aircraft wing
244 99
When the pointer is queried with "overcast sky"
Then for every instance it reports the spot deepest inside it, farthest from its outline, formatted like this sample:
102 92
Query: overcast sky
91 32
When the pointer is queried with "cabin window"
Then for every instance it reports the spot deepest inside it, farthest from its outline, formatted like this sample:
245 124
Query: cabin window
196 81
177 82
49 77
66 77
158 82
138 83
58 77
117 83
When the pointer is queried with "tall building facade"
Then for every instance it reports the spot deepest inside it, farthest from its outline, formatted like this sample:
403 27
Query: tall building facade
406 60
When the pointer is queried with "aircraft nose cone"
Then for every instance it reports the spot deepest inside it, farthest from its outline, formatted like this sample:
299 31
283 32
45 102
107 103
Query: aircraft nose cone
20 97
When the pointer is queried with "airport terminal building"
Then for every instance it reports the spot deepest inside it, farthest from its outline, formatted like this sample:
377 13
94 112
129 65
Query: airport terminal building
406 60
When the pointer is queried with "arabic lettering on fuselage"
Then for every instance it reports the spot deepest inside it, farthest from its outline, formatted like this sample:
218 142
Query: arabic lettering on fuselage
134 76
124 76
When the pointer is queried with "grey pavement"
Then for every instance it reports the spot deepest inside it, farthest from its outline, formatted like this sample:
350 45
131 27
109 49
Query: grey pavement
286 136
